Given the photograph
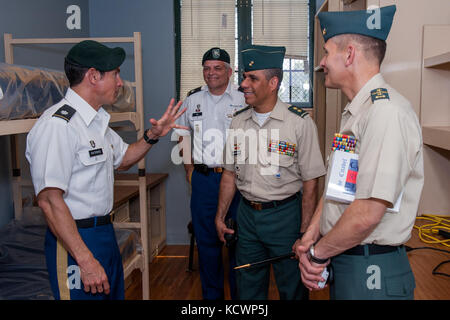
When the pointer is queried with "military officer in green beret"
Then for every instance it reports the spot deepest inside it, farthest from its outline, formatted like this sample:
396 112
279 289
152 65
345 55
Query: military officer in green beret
72 154
363 241
272 157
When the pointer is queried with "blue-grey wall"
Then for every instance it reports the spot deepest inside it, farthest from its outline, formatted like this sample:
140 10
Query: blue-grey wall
154 19
33 19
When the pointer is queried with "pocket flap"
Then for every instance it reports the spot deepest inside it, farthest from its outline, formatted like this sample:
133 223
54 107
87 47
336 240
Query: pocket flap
89 159
281 161
400 285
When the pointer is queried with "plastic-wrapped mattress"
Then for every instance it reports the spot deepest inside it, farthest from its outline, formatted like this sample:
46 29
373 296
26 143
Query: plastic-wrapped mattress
26 92
23 270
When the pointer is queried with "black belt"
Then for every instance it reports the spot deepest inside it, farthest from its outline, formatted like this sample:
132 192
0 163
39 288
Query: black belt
204 169
267 205
94 221
373 249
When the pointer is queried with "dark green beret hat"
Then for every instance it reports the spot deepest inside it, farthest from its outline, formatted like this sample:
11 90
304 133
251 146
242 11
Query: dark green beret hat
257 57
375 23
92 54
216 54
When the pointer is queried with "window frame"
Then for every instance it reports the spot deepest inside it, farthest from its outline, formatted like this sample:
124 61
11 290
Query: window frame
244 18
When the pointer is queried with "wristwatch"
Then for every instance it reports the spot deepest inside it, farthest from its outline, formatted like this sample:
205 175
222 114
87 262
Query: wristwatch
148 140
315 259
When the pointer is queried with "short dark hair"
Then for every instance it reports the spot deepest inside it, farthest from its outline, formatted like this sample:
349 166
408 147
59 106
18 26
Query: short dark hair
372 47
75 73
276 72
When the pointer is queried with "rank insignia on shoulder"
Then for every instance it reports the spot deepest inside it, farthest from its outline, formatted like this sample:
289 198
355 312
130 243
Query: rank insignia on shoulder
240 111
194 91
298 111
65 112
378 94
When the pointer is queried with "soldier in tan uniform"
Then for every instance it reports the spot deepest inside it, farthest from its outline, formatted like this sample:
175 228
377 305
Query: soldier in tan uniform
363 239
272 157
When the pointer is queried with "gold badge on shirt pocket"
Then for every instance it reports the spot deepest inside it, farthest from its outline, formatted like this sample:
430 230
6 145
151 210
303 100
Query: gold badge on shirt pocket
282 147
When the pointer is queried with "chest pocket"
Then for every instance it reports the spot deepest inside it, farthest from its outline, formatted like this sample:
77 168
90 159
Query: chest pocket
282 153
89 157
279 160
286 161
196 116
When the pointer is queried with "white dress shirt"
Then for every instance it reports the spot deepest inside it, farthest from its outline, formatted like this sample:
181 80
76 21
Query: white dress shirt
77 156
208 117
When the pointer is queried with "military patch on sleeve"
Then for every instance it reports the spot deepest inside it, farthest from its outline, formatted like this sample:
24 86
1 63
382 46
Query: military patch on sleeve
194 91
299 111
240 111
378 94
65 112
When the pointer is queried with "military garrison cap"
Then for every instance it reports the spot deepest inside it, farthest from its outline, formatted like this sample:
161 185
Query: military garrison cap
257 57
92 54
216 54
375 23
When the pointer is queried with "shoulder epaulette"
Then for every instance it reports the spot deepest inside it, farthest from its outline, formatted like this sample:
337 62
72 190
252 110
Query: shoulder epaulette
379 94
298 111
240 111
194 91
65 112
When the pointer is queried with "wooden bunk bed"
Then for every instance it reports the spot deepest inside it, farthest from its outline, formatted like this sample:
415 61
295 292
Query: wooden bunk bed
136 118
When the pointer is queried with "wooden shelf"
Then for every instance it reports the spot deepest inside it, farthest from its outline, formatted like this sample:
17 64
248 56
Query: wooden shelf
437 136
125 116
441 61
126 185
8 127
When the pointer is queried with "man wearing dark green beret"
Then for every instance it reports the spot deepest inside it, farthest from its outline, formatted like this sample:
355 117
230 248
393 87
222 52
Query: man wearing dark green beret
272 157
362 242
72 154
209 112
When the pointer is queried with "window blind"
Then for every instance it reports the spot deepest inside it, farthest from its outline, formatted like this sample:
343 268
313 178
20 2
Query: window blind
282 23
204 24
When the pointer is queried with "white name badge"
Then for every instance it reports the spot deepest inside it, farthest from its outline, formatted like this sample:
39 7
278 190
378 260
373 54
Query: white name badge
342 182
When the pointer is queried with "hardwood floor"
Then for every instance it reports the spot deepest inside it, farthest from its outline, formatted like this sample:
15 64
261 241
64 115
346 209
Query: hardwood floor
170 280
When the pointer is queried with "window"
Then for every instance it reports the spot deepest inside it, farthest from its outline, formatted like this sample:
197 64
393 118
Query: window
232 24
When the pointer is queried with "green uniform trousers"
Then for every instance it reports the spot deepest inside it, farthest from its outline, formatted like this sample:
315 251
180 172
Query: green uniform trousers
265 234
372 277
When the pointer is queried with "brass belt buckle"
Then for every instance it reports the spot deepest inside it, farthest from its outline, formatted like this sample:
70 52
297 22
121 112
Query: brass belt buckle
256 205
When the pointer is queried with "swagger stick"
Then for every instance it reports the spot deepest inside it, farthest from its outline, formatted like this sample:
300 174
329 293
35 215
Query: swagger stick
284 256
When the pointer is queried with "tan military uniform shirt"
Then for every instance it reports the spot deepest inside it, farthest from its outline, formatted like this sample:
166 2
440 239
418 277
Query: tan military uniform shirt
389 144
273 159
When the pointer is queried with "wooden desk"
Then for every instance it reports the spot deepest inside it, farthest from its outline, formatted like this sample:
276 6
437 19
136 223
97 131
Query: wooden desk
126 207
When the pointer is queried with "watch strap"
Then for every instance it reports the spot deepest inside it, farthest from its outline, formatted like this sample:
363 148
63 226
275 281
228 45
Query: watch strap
315 259
147 139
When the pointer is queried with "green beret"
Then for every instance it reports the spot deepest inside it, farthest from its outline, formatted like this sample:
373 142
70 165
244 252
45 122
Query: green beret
257 57
375 23
92 54
216 54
